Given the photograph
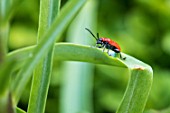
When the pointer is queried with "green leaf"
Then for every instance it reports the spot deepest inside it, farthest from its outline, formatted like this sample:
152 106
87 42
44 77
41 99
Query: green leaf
5 71
141 74
5 66
139 86
137 91
19 110
52 35
7 7
42 73
6 103
71 52
166 110
4 30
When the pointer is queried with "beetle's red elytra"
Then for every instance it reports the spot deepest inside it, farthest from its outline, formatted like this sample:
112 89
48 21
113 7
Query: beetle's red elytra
107 43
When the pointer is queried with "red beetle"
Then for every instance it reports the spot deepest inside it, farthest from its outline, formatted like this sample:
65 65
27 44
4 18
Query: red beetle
107 43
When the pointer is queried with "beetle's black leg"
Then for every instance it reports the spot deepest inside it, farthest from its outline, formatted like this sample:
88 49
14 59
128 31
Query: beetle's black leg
108 52
104 47
99 46
123 58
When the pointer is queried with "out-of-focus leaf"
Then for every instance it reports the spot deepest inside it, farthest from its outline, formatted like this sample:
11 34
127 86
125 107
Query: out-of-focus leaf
52 35
42 74
18 110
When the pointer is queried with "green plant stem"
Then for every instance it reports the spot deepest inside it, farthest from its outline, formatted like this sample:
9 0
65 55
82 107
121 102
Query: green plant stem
42 73
4 78
52 35
4 31
6 103
5 97
7 7
77 82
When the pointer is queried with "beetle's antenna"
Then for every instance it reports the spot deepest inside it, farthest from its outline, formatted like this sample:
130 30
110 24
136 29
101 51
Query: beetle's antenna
98 35
91 33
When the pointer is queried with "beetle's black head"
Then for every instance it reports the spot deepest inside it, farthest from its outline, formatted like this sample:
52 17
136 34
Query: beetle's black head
99 41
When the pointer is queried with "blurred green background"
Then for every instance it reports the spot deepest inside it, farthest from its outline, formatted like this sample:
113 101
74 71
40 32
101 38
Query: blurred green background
141 27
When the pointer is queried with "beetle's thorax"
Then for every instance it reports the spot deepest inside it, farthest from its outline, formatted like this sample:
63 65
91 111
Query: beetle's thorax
110 42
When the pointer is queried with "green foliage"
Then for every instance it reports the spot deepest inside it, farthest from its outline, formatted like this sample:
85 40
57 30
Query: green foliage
141 74
18 110
45 44
140 27
42 74
138 89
